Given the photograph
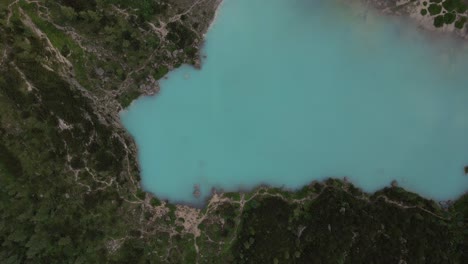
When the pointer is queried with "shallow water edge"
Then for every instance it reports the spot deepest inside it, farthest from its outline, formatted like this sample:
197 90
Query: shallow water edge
206 192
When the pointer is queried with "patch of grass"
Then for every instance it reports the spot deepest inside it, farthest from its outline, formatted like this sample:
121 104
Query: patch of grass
63 43
233 195
140 194
160 72
127 98
145 9
155 202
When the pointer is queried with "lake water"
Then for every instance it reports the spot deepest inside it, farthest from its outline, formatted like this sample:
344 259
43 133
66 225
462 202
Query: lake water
293 91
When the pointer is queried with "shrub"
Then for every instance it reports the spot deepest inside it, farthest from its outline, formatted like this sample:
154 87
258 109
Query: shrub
160 72
140 194
460 23
439 21
461 8
434 9
449 18
449 5
452 5
155 202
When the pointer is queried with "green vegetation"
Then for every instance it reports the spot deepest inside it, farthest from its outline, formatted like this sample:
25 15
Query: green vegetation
434 9
67 46
161 72
181 35
145 9
449 18
460 22
127 98
337 227
69 179
449 10
439 21
455 5
155 202
68 175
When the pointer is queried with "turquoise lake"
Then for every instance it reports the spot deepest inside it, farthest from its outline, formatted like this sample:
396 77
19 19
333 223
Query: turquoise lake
293 91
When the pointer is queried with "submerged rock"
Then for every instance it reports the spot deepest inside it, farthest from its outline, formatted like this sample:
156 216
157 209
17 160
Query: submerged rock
196 191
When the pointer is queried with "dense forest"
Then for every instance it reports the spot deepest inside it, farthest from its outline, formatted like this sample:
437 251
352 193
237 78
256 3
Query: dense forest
69 179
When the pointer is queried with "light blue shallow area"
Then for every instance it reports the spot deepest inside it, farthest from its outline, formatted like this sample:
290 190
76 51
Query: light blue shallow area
302 90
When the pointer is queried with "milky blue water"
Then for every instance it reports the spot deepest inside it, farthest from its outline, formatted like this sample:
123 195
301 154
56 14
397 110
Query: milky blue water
293 91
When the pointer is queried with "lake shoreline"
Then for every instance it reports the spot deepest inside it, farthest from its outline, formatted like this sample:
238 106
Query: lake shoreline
217 193
410 12
295 194
197 66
